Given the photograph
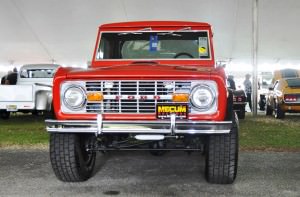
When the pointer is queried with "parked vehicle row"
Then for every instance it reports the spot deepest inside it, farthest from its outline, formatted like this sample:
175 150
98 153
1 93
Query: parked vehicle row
264 82
278 93
32 93
284 94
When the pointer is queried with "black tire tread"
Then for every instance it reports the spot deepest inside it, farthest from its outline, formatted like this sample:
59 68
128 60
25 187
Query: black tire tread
222 157
222 151
64 161
241 114
269 110
4 114
279 113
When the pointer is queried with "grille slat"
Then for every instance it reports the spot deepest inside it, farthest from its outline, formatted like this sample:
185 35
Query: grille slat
129 93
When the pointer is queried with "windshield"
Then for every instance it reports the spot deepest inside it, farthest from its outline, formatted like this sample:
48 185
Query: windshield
154 45
289 73
266 80
293 83
37 73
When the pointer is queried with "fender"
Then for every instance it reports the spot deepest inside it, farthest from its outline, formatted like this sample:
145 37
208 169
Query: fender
43 100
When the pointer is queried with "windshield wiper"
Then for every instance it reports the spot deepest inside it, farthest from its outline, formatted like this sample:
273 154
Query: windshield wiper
140 31
174 32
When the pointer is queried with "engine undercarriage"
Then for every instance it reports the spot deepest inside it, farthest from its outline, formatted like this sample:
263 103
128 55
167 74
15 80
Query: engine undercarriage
127 142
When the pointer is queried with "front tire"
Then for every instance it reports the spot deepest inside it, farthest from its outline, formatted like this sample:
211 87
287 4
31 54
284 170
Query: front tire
50 114
222 156
269 110
69 159
279 113
262 102
241 113
4 114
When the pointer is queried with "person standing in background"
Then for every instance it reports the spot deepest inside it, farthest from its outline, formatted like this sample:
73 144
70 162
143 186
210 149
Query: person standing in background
12 77
3 80
248 89
231 82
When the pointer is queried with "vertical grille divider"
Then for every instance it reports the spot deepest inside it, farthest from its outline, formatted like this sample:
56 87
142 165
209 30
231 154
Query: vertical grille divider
174 88
155 93
119 93
102 102
138 93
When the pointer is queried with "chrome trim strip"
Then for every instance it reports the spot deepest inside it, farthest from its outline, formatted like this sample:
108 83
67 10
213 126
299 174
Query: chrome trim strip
154 122
72 130
296 102
239 103
202 132
171 126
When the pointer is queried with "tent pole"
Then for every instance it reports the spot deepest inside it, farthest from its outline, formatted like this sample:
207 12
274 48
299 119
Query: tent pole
254 57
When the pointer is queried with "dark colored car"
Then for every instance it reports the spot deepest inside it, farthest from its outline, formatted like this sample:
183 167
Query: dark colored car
239 103
239 98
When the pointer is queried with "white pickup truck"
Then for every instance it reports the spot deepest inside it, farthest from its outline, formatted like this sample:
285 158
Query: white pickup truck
32 93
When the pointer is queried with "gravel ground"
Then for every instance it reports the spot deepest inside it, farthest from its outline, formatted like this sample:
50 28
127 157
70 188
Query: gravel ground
29 173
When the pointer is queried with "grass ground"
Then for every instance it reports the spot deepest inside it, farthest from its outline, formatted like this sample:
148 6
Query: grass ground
267 133
260 133
23 130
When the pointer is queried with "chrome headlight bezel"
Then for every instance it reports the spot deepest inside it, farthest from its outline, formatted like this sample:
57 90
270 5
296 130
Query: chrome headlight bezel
209 87
66 105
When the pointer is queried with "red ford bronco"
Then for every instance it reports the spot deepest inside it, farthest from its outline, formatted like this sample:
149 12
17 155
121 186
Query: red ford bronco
151 86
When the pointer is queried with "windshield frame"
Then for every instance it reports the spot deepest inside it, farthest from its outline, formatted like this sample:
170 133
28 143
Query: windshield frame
209 37
31 70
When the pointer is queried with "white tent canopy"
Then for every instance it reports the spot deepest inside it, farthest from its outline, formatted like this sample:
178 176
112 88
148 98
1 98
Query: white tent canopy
64 31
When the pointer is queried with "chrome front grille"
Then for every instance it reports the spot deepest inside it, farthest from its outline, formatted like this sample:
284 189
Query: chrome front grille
133 96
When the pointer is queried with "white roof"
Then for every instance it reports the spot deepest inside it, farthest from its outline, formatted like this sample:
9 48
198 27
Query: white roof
40 66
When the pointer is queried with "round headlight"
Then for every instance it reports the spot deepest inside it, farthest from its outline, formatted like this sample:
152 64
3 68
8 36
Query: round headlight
74 98
202 97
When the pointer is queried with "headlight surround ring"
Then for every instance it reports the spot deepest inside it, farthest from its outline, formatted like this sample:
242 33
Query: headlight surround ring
74 97
202 97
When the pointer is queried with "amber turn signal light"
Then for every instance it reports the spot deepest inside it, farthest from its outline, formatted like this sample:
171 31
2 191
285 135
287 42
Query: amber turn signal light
95 96
180 97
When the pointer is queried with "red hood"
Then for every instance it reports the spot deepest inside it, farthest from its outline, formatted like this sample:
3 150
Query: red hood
141 71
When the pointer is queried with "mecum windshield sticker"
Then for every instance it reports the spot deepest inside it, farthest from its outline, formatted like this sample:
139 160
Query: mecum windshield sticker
203 46
153 43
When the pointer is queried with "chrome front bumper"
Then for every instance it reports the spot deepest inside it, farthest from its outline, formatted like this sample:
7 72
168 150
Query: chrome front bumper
171 126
